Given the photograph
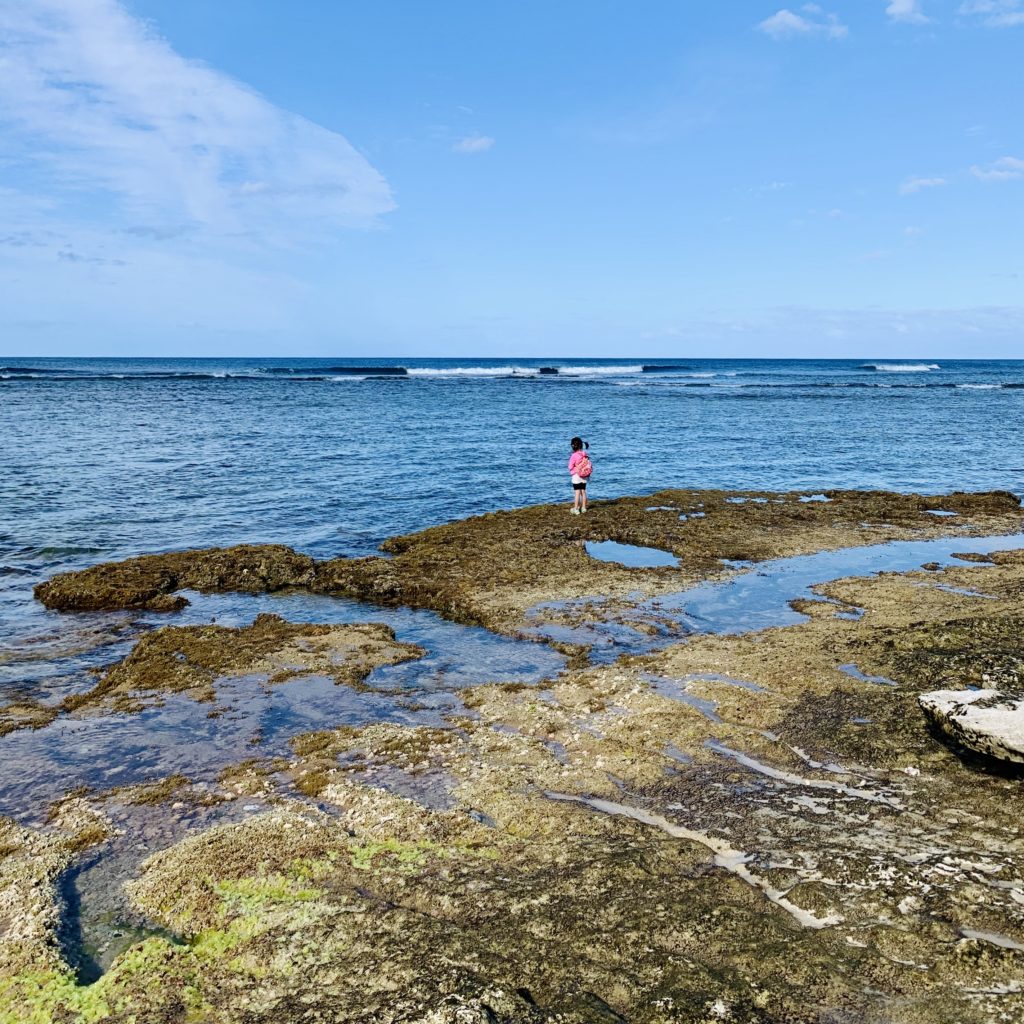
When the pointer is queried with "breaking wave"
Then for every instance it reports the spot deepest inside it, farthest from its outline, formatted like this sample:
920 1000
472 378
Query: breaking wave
901 367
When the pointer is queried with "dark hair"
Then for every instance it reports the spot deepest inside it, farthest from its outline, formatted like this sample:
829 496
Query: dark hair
577 443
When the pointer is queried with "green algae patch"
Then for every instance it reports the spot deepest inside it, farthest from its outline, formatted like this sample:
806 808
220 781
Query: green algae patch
46 997
248 896
152 980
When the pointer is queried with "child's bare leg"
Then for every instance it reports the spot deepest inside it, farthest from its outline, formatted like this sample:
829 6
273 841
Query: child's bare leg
583 497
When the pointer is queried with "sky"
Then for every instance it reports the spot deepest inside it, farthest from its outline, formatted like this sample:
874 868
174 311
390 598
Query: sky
512 178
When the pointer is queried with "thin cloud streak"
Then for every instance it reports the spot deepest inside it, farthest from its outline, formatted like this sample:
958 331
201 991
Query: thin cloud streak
995 13
1007 168
912 185
474 144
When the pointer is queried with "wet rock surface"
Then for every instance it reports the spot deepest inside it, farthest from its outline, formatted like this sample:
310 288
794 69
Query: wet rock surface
31 863
189 659
988 722
730 828
150 580
492 570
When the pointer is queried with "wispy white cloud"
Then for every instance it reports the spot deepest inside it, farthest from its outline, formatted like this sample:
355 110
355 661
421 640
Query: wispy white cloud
474 144
907 10
912 185
95 105
995 13
811 21
1007 168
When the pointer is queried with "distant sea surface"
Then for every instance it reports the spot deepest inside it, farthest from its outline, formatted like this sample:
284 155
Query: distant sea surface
105 458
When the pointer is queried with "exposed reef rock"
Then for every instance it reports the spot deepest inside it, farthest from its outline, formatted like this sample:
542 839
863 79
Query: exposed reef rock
756 829
31 862
988 722
150 580
24 714
492 570
176 659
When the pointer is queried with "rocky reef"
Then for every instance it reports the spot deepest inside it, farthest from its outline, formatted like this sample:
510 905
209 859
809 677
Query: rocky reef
492 570
150 580
989 722
190 659
758 828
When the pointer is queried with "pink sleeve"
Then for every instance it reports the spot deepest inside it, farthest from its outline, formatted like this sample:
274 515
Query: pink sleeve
573 461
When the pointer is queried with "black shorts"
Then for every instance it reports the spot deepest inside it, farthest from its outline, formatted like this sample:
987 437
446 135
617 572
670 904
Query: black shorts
580 487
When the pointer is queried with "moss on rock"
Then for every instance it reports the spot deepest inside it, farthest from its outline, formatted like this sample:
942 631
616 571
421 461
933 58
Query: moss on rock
189 659
150 580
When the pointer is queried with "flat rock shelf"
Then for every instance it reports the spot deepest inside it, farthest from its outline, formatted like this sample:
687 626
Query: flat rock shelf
492 778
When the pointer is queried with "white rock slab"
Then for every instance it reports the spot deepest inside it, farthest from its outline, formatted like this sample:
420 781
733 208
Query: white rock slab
987 721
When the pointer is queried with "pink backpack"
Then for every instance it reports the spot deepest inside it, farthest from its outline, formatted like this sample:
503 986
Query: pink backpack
584 467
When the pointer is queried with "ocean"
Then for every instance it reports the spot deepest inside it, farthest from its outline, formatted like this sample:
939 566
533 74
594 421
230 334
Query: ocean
105 458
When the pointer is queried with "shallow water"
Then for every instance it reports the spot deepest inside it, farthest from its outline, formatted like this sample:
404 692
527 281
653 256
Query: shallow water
631 555
676 689
107 750
760 597
855 673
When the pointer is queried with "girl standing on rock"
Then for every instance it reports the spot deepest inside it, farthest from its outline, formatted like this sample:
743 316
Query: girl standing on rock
580 468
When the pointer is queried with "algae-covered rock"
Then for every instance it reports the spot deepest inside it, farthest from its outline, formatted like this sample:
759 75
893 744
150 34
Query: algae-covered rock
191 658
23 714
989 722
492 569
31 862
983 647
150 580
738 828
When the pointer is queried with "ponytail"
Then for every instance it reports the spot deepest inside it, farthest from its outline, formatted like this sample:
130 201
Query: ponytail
578 444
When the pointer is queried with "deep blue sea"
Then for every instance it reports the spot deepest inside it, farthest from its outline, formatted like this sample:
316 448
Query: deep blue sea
110 457
107 458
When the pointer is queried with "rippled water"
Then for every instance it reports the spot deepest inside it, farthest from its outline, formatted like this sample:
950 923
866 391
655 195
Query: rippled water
122 456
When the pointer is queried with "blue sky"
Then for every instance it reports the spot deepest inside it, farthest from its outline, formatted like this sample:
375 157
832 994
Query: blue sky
600 178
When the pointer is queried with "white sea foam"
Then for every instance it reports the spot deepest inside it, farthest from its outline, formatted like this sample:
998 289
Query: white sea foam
901 367
616 371
472 371
521 371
